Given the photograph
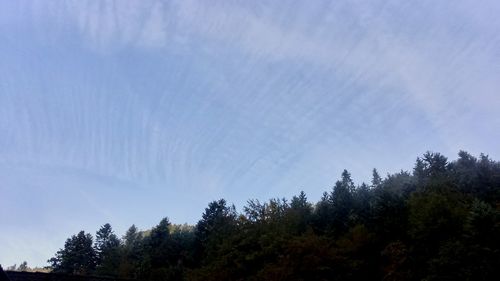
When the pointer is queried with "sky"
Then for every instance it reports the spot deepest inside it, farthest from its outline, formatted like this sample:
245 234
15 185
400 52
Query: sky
130 111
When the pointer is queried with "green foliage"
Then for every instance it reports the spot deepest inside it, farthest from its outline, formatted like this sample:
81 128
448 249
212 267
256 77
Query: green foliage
435 217
107 249
395 262
130 253
440 222
77 257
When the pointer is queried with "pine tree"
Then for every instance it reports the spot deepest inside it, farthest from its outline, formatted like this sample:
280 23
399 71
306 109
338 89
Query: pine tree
77 257
376 179
107 251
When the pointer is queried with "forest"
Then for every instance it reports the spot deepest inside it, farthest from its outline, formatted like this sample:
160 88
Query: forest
439 221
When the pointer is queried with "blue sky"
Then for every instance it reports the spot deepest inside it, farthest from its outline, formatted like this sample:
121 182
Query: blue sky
129 111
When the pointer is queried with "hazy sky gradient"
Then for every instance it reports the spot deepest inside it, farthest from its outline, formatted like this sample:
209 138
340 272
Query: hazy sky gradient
129 111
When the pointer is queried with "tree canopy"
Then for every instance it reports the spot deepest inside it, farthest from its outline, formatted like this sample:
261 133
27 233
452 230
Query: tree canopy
439 222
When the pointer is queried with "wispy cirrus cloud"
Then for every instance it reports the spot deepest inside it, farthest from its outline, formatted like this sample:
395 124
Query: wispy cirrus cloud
377 51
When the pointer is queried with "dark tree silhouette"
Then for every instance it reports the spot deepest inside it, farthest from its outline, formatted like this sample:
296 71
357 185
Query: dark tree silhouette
77 257
440 222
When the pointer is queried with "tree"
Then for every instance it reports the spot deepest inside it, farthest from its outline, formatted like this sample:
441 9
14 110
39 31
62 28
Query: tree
388 210
23 266
347 181
376 179
435 163
131 253
419 171
216 216
321 213
442 222
105 241
132 236
362 204
299 213
107 251
430 166
217 222
77 257
160 259
158 244
342 202
300 202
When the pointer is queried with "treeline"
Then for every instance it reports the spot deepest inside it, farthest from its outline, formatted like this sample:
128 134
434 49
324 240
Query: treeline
25 268
438 222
